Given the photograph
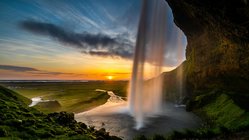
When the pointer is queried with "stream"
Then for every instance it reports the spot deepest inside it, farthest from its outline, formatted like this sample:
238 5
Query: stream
37 100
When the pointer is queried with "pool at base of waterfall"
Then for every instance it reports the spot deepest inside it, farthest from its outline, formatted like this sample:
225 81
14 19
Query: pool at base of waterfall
115 118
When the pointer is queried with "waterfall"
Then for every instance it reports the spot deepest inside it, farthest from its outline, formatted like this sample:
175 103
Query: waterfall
179 72
145 90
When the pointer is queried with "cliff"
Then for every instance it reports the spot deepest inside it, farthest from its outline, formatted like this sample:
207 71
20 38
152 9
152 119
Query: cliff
217 53
216 71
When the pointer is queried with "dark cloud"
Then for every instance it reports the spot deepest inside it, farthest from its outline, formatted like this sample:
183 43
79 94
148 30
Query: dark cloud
100 53
108 46
94 44
31 70
49 73
17 68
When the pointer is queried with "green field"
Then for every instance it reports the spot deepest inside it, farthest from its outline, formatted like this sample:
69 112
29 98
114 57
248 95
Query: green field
72 96
20 122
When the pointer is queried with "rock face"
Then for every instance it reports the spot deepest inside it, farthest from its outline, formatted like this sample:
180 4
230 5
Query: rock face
218 42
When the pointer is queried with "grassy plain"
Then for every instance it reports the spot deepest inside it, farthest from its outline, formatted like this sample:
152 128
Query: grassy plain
20 122
73 96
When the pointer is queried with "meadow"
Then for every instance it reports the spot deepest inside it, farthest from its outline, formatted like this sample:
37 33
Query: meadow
72 96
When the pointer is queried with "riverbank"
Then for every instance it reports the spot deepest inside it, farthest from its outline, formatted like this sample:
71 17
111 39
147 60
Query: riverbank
114 103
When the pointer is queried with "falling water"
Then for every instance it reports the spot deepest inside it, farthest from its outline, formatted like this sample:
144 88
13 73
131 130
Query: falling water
179 72
146 84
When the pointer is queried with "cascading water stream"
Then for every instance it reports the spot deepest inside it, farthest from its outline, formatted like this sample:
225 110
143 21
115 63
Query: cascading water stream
145 91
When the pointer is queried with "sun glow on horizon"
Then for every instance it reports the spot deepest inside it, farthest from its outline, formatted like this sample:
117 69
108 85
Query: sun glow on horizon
109 77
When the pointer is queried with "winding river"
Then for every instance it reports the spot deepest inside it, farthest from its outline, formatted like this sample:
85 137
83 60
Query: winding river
37 100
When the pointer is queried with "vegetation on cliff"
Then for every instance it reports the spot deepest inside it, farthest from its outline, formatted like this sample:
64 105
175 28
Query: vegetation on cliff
17 121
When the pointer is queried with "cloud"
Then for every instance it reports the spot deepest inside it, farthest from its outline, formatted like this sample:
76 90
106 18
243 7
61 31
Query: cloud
93 44
17 68
31 70
116 46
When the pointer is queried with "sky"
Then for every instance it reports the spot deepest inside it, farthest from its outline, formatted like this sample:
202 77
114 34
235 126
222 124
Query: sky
75 40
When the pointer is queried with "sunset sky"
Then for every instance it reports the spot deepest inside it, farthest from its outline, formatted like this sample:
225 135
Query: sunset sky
74 40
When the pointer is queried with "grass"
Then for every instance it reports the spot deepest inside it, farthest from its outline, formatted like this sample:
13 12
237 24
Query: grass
223 117
221 109
72 96
226 113
18 121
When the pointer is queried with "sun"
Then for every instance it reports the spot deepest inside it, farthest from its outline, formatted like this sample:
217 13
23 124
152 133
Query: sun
109 77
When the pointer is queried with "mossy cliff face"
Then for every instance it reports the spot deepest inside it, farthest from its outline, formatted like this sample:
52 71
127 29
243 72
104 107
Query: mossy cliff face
216 70
218 42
